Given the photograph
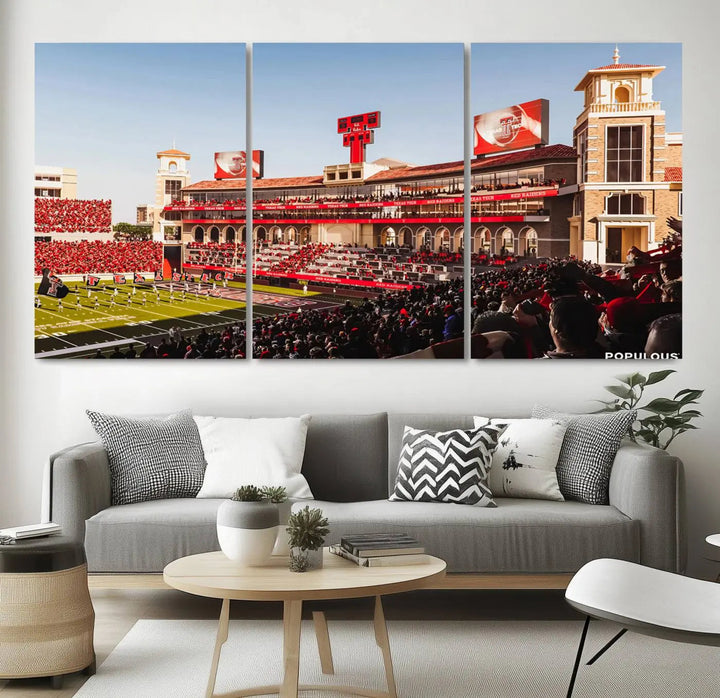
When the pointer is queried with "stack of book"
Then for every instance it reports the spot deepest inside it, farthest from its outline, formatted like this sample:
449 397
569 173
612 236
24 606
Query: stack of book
30 531
380 549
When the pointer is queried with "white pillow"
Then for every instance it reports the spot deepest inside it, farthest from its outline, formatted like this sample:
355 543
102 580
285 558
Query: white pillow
253 452
523 464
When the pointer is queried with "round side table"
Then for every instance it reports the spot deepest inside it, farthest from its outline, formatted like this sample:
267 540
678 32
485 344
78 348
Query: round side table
46 615
214 576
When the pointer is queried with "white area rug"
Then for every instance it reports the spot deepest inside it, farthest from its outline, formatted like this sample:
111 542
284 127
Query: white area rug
436 659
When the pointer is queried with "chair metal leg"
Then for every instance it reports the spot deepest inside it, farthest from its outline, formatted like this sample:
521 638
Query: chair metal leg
608 646
578 656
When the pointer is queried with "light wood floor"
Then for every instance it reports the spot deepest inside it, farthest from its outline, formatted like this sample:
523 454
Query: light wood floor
117 610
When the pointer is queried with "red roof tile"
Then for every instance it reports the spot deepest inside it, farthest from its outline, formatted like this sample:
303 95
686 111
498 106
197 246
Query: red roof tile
239 183
174 151
420 171
548 152
673 174
625 66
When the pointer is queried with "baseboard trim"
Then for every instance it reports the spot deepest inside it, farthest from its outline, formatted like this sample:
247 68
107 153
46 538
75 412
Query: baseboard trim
450 581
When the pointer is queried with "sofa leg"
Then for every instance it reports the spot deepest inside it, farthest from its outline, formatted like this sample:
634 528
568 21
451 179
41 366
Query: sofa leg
57 681
91 668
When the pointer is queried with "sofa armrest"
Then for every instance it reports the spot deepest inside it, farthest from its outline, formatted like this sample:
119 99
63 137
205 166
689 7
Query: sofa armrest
647 485
78 485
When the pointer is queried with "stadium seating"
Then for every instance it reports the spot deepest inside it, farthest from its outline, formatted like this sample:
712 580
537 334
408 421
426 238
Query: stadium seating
97 257
72 215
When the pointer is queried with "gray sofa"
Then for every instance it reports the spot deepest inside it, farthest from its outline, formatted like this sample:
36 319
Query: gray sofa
350 463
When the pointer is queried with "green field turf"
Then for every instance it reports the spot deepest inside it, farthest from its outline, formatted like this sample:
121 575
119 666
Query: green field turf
49 319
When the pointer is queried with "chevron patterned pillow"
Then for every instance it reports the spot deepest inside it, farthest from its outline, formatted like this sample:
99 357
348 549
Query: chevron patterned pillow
446 466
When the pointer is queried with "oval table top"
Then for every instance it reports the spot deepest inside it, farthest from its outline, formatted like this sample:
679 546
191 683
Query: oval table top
215 576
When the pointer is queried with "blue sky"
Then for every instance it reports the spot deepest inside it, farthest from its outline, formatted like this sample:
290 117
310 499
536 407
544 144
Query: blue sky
106 109
505 74
300 90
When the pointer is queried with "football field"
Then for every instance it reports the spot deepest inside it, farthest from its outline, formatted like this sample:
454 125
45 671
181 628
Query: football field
107 316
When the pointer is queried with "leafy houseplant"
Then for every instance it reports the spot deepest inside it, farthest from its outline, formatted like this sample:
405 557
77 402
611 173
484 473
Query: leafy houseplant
248 493
306 530
667 418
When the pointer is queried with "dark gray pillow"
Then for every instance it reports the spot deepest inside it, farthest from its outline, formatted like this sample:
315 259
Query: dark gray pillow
446 466
151 458
588 451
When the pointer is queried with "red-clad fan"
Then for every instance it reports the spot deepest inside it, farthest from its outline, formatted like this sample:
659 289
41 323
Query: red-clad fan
97 257
72 215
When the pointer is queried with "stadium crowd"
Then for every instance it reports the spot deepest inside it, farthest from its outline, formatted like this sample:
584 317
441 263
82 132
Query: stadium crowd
569 309
225 343
54 215
392 324
97 256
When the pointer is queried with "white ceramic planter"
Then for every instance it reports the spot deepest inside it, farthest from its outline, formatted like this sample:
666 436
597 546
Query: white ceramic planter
282 540
247 531
314 557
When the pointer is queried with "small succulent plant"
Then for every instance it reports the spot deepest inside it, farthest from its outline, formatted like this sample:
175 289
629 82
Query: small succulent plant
298 561
307 528
248 493
277 495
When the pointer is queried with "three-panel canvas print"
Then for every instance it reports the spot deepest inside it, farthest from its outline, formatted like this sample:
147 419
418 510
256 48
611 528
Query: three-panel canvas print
358 201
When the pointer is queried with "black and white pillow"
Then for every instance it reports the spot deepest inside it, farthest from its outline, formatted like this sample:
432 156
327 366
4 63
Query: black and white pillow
588 451
446 466
151 458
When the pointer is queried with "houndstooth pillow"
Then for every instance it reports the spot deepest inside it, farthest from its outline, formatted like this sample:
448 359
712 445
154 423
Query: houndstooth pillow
151 458
446 466
588 451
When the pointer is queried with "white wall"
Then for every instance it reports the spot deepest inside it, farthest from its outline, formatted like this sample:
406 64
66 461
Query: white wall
43 401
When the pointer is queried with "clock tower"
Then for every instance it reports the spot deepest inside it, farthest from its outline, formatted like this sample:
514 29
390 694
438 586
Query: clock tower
627 164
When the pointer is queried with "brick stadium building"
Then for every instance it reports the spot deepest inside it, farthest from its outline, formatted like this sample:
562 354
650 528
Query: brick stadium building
629 168
612 190
515 199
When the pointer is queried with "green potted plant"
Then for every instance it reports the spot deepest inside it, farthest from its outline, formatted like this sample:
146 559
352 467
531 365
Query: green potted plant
306 530
247 526
660 420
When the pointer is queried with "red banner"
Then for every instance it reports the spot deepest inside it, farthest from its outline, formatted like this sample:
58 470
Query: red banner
519 126
231 164
322 278
494 196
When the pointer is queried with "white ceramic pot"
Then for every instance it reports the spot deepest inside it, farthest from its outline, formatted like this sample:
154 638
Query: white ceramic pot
314 557
247 531
282 539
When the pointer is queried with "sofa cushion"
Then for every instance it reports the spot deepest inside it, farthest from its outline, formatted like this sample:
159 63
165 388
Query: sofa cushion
346 457
588 451
146 536
396 424
519 536
446 466
523 464
260 452
151 457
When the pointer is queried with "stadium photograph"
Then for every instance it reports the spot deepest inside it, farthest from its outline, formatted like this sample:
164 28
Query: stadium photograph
358 241
109 275
576 184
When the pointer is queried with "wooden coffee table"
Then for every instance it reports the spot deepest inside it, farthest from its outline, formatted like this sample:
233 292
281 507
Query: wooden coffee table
215 576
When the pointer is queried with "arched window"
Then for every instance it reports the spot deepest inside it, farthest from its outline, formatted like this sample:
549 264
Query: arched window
622 95
215 234
199 234
172 167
